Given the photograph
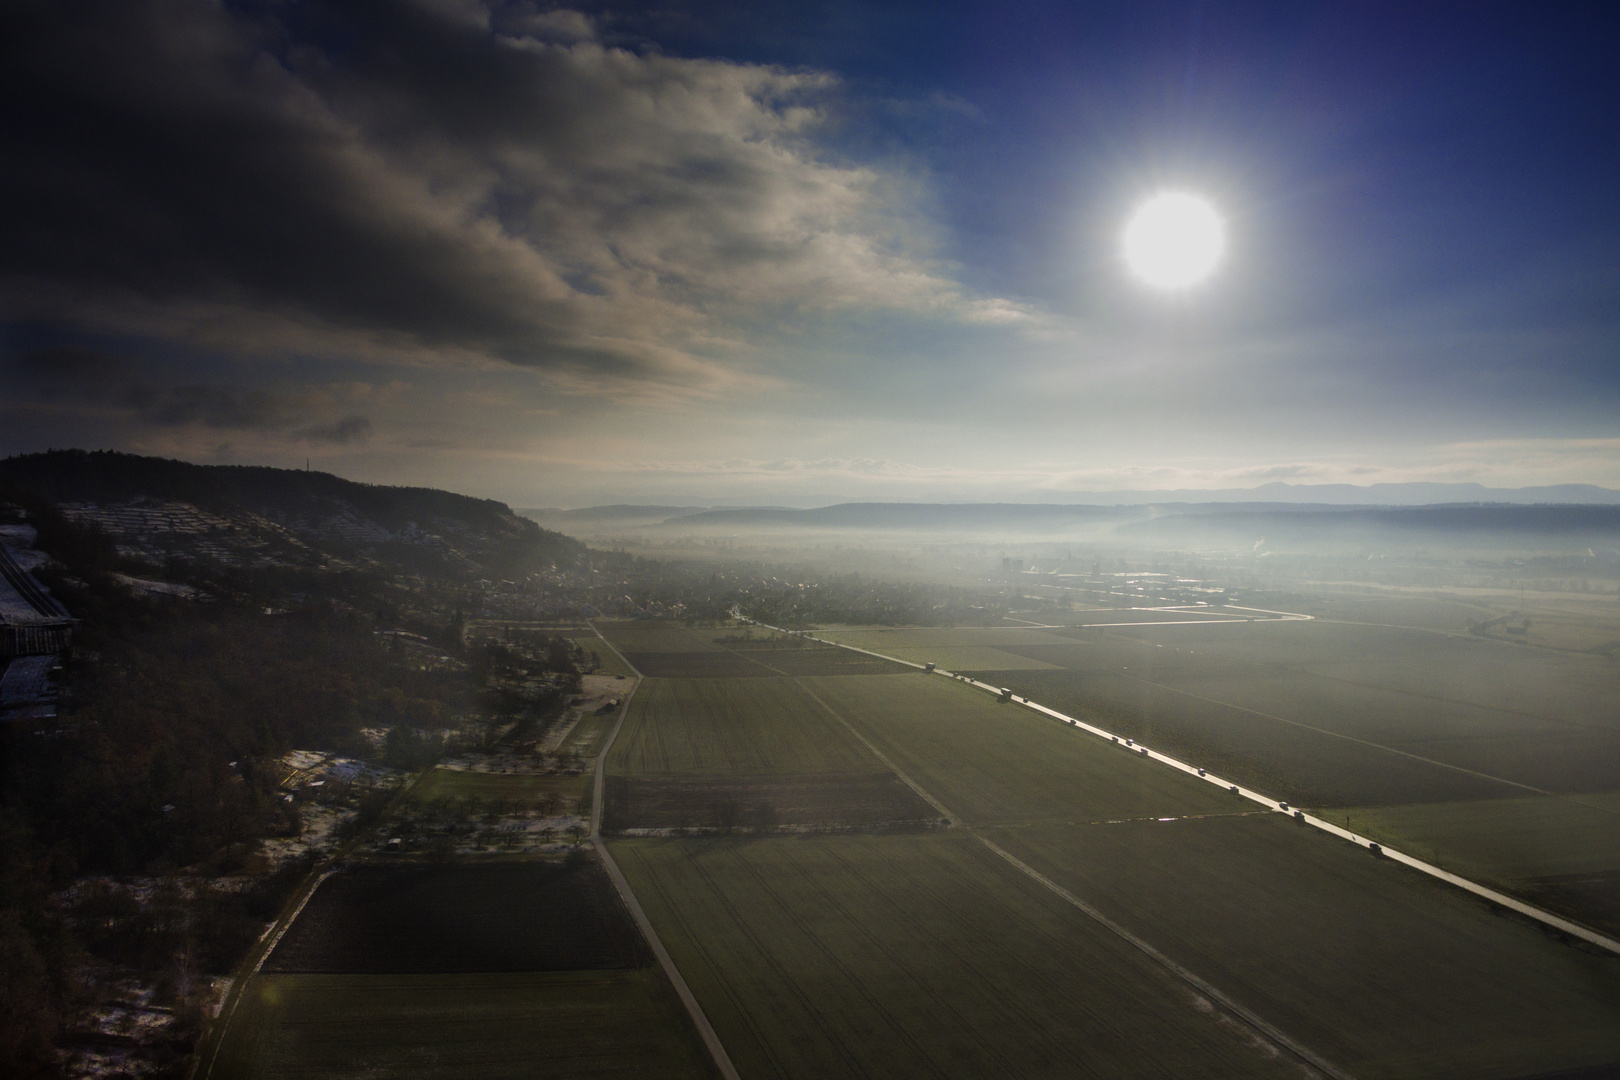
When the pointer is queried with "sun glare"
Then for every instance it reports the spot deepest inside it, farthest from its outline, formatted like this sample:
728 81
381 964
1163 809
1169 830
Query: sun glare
1174 240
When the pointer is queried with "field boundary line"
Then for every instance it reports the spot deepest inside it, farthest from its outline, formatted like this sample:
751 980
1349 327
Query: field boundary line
1259 1023
1547 918
881 756
711 1039
1337 735
1200 985
222 1021
265 945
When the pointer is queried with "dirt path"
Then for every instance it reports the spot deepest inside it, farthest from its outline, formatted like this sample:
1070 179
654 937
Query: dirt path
717 1050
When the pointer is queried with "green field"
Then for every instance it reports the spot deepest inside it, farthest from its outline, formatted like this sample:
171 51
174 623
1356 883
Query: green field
608 661
1505 839
548 1024
737 726
925 953
993 763
489 787
1383 971
1389 711
1332 713
914 956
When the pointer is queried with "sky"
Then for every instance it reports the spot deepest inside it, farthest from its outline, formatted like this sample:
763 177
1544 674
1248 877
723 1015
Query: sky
799 253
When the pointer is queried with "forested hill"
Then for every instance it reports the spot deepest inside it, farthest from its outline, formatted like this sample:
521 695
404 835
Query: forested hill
254 513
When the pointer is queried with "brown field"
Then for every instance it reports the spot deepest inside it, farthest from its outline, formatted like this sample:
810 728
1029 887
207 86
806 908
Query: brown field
462 918
837 801
515 789
653 636
550 1025
718 664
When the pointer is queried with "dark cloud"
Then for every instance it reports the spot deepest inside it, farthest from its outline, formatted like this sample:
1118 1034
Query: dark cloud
449 179
89 378
225 407
351 429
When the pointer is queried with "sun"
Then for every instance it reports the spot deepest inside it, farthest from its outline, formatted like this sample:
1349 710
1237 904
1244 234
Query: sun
1174 240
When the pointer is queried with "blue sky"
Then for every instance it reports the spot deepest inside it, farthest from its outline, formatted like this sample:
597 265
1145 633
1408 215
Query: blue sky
803 252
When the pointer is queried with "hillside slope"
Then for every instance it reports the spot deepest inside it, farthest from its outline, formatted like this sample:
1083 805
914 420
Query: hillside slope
155 509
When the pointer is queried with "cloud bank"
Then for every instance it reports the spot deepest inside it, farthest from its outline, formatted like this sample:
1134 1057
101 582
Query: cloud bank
435 183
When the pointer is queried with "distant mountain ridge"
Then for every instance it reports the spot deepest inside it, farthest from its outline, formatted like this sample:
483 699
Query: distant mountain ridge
1415 493
1571 528
1274 495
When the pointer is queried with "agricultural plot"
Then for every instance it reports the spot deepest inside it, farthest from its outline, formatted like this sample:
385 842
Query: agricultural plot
819 660
725 804
1561 852
995 763
747 727
1287 761
1147 616
1384 972
573 1025
462 918
589 735
660 637
914 956
516 790
897 641
925 953
1451 666
607 661
672 652
963 657
718 664
759 663
1506 838
749 755
1330 715
1426 612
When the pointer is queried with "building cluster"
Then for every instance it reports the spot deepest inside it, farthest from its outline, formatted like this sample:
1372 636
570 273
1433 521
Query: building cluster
36 631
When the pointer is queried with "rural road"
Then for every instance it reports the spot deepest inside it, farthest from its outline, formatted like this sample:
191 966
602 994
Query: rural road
717 1050
208 1049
